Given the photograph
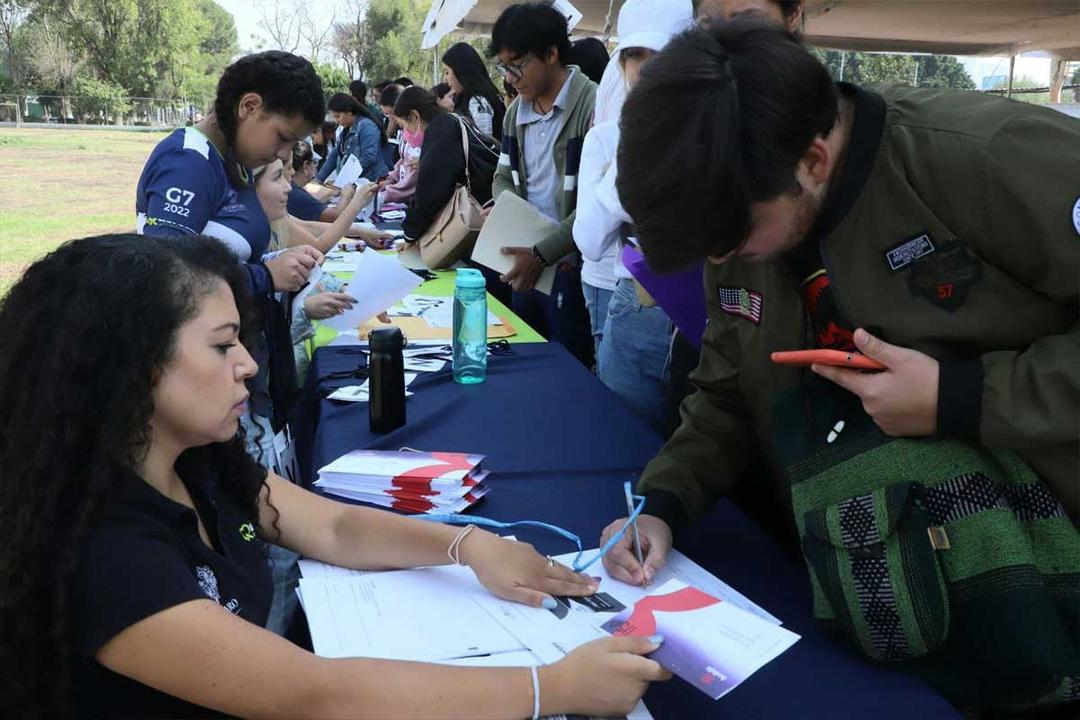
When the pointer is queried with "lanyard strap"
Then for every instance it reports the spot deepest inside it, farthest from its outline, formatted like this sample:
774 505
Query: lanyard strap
577 565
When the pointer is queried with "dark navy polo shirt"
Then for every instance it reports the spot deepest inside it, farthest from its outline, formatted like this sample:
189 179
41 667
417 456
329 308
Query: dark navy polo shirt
144 555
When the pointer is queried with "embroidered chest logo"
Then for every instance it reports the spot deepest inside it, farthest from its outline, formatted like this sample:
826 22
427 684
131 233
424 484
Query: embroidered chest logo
945 277
740 302
907 252
247 531
208 583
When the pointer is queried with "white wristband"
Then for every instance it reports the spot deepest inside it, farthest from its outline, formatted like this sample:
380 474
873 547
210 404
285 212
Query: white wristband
536 693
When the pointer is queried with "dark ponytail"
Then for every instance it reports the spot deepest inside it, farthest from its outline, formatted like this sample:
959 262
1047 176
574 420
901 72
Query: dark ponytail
287 84
422 101
470 71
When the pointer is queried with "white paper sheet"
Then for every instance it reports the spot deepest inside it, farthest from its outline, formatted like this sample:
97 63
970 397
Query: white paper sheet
349 172
513 222
378 282
425 615
678 567
362 392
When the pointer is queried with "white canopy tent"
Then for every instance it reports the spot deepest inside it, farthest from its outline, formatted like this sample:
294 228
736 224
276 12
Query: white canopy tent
954 27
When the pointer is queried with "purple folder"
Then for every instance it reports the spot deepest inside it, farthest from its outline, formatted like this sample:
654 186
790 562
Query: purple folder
680 295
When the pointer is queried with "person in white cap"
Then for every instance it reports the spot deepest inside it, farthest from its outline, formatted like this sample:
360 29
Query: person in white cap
632 340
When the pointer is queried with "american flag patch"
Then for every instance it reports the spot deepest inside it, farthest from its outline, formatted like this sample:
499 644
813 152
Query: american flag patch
740 301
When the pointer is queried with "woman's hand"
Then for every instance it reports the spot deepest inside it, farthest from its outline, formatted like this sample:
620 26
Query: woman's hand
289 270
603 678
515 571
362 196
325 305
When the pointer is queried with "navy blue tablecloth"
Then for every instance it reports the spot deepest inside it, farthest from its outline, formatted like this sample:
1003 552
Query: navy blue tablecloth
559 446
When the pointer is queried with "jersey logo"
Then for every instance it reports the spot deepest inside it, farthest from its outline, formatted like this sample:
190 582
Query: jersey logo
208 583
1076 216
247 531
907 252
176 195
945 277
741 303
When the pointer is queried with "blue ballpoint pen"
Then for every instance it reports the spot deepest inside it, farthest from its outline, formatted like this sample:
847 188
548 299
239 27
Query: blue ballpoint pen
634 531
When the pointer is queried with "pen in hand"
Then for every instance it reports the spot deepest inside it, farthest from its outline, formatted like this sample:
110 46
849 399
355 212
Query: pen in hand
634 533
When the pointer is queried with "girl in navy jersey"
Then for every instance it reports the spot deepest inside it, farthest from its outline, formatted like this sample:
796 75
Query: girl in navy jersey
198 179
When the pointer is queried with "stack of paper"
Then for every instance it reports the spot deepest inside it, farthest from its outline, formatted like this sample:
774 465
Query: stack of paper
416 482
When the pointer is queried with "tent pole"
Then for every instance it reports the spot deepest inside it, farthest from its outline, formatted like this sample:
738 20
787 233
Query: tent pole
1012 69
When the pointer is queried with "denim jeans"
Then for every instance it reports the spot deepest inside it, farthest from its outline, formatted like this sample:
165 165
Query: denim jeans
635 356
560 317
284 567
597 301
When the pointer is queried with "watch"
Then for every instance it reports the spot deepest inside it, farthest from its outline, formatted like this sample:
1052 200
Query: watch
539 257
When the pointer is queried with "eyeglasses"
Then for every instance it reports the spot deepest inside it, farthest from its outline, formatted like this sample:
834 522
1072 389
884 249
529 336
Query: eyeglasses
578 565
515 70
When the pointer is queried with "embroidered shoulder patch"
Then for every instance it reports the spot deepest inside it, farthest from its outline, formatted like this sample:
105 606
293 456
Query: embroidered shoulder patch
1076 216
741 302
907 252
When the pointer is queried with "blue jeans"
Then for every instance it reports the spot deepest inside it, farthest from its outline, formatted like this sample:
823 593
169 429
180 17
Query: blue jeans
284 567
635 356
597 301
560 317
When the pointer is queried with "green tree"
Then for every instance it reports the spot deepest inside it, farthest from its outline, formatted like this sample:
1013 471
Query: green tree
382 40
943 71
148 47
334 79
890 69
1019 83
99 99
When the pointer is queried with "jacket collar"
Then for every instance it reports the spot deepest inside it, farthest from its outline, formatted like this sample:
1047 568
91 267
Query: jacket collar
867 126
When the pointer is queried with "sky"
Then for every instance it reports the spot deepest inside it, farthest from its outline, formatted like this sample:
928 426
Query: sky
247 18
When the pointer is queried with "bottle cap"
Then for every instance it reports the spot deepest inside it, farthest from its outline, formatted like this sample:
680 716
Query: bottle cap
386 338
470 278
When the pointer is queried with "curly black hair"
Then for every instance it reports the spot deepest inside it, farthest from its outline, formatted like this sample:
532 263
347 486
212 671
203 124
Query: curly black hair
287 83
87 331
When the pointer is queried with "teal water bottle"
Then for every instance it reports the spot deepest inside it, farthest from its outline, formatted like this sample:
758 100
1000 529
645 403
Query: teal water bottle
470 327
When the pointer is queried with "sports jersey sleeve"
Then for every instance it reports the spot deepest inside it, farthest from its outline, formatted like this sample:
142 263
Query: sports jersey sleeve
179 195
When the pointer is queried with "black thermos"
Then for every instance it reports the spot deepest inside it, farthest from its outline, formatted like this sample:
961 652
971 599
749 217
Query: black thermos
386 380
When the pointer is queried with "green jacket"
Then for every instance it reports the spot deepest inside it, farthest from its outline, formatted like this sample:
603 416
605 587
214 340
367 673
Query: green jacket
511 173
953 229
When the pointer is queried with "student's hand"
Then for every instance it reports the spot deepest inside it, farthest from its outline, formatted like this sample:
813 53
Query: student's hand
378 239
289 270
327 305
603 678
515 571
312 252
621 562
363 195
903 399
526 271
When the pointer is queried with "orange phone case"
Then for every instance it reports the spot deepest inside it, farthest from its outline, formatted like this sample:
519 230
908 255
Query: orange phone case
835 358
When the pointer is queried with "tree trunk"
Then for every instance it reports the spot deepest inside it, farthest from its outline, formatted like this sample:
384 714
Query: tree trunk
1058 70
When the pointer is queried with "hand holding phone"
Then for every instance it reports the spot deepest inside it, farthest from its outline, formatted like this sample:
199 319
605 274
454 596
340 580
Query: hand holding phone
833 358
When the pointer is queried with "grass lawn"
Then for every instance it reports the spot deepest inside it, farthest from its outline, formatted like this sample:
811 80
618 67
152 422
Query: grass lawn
62 184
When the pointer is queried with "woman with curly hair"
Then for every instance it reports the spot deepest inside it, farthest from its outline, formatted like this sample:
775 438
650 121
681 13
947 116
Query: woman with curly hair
133 524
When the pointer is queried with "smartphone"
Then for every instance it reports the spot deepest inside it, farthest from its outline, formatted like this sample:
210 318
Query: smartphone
835 358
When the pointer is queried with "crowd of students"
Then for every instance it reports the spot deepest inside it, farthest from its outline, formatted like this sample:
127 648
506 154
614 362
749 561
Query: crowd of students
150 542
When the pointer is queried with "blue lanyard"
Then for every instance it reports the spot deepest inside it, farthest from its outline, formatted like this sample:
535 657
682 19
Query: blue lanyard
578 565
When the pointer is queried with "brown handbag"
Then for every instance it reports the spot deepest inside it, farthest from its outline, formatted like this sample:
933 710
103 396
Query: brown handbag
452 234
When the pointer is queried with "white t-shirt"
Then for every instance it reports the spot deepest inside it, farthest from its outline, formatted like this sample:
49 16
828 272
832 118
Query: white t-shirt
600 216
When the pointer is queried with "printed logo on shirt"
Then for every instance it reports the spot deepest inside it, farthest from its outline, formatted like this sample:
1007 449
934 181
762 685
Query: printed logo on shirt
233 606
907 252
740 302
945 277
247 531
177 201
208 583
1076 216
